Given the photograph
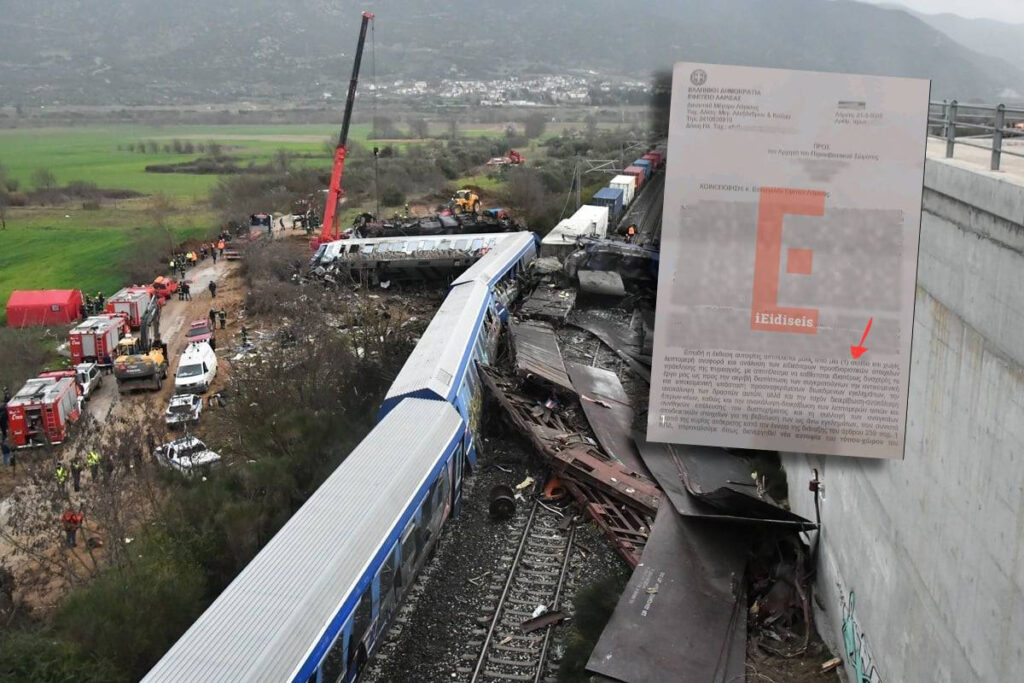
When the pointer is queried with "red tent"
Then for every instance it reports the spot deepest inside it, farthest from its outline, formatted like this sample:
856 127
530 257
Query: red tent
43 307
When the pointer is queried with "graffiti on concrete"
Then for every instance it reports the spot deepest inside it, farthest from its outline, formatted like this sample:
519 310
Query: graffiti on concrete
858 657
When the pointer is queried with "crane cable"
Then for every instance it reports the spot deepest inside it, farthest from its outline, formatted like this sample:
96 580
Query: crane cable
373 65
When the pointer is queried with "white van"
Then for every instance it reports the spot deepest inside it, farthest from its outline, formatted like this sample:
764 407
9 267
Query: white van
196 369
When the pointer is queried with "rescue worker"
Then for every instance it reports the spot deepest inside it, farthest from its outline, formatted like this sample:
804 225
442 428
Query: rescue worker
6 451
222 314
76 473
213 318
3 420
245 335
82 311
187 288
61 475
220 246
93 461
213 289
213 253
631 232
108 364
100 300
172 265
72 523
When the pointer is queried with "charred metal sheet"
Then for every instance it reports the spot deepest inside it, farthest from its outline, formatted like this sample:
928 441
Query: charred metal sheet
605 283
609 412
611 477
537 353
549 303
624 344
701 481
677 619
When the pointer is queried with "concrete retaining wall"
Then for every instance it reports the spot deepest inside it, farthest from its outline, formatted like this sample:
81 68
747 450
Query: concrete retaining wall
931 549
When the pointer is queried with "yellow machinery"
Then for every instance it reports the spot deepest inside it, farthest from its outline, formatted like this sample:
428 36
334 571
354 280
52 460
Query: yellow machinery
465 201
136 368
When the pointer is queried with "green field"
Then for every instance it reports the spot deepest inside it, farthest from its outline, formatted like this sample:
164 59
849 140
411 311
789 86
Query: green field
70 247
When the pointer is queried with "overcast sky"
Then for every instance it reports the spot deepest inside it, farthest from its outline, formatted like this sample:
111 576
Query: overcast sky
1003 10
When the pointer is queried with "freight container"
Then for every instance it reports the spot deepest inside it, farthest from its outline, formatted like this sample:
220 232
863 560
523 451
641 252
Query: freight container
627 184
132 301
95 338
638 173
610 197
653 158
40 412
646 165
588 221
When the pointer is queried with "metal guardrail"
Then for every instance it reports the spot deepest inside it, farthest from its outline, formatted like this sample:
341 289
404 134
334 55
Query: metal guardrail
991 119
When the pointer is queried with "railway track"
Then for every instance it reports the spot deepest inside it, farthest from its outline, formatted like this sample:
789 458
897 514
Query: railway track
645 212
536 576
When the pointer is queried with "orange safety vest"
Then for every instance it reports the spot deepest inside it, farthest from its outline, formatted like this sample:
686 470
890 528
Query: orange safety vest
220 245
631 231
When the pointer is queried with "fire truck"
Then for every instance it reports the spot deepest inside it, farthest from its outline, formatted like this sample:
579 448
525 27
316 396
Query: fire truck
41 411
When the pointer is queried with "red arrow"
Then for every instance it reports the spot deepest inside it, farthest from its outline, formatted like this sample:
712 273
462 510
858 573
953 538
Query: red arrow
860 349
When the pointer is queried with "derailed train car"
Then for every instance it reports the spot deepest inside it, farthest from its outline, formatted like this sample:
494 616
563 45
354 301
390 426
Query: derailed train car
313 605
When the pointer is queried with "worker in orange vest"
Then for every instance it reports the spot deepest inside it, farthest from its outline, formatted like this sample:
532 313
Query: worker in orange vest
72 523
630 232
220 247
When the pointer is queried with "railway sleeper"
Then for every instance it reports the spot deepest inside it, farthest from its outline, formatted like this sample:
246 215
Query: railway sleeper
521 650
517 663
537 582
502 676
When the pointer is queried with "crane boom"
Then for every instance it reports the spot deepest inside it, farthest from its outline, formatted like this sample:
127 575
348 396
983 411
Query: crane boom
329 230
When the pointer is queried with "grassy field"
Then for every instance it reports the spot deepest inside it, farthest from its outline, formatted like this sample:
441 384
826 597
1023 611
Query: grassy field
70 247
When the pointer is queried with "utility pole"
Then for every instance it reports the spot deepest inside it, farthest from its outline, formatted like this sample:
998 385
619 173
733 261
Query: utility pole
376 181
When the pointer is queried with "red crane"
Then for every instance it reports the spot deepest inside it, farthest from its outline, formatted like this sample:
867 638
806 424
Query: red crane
329 230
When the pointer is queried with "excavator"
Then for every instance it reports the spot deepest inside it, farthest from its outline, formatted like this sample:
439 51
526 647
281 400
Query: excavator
465 201
330 231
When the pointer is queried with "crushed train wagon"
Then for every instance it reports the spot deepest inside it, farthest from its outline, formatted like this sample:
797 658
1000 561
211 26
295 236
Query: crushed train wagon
40 412
28 307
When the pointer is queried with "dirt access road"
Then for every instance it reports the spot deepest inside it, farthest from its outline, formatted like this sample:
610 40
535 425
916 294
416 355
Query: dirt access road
175 318
31 540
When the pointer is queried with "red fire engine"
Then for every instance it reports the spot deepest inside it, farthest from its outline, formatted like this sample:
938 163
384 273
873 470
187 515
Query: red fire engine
40 412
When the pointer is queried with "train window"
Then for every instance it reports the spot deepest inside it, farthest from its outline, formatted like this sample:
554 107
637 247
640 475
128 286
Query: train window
333 666
478 243
387 576
363 614
462 244
444 244
408 551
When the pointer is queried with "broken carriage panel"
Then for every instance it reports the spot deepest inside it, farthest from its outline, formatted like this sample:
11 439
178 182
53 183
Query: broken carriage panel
609 412
682 615
549 303
537 355
702 481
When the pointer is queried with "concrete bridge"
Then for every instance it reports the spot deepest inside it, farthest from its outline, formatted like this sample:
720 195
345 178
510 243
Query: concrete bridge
921 568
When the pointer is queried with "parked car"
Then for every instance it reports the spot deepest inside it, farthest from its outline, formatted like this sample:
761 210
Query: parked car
89 378
200 331
186 455
183 409
196 369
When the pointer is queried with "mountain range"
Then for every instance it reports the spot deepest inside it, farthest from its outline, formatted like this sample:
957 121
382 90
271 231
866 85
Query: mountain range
124 52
